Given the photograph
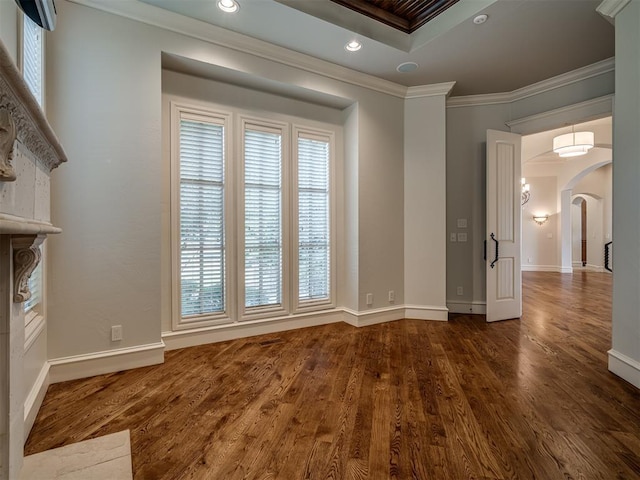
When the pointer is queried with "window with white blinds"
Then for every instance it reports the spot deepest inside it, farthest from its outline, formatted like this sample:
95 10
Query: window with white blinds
252 222
35 287
202 229
32 57
314 246
262 217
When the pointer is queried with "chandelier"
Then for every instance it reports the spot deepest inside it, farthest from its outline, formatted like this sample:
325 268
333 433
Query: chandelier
573 144
526 194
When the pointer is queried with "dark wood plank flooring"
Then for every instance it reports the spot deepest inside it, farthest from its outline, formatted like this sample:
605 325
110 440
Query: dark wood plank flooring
528 399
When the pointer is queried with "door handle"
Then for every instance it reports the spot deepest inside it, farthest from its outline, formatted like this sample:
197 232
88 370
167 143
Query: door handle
495 260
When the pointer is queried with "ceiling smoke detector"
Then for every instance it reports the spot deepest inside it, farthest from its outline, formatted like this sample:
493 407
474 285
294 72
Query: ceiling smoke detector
407 67
480 19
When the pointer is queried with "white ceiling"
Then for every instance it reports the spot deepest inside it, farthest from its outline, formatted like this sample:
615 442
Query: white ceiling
523 42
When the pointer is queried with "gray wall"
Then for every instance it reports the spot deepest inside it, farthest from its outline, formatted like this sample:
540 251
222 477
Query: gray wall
104 91
9 15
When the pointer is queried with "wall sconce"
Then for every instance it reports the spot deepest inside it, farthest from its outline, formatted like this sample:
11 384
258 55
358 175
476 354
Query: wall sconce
540 219
526 190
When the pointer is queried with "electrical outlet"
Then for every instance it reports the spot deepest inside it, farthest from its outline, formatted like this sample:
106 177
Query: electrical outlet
460 291
116 333
453 237
462 237
369 298
392 296
462 223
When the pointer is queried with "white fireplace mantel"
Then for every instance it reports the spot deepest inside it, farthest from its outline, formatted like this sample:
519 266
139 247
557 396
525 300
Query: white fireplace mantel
29 151
32 128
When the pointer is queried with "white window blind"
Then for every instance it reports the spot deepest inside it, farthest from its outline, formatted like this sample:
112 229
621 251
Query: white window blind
35 287
313 219
32 55
262 217
202 239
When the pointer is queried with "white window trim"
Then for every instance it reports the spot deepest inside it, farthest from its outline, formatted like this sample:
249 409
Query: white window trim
320 304
271 126
21 16
178 111
236 118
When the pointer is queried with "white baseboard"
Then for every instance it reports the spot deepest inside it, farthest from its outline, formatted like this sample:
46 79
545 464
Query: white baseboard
543 268
588 268
373 317
109 361
81 366
222 333
625 367
426 312
34 399
468 307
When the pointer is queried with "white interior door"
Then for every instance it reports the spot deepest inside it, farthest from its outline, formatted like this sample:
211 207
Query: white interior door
504 212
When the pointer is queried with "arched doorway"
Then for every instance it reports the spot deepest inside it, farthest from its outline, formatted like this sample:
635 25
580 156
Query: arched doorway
587 232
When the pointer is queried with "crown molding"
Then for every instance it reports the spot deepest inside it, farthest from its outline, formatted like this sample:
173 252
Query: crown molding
433 90
590 109
562 80
155 16
483 99
610 8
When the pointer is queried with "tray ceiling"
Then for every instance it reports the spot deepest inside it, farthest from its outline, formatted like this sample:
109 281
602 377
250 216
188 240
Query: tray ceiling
406 16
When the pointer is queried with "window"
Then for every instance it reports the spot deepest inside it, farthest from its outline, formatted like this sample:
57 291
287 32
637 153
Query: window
32 57
202 256
262 216
252 222
314 245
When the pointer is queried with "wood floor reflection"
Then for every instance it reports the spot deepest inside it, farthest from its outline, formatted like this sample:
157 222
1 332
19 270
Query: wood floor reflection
408 399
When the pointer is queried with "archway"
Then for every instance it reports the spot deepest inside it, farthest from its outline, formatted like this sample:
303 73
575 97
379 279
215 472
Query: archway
587 227
566 200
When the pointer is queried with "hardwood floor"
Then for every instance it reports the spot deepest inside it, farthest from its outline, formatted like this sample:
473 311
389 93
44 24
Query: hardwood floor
528 399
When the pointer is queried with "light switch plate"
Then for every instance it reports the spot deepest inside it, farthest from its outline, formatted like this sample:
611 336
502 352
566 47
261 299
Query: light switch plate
462 223
462 237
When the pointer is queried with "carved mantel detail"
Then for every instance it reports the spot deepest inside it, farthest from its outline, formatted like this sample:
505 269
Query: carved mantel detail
32 128
7 137
26 256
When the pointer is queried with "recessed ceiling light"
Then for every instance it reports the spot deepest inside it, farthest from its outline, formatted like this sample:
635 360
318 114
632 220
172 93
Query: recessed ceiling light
480 19
407 67
353 46
228 6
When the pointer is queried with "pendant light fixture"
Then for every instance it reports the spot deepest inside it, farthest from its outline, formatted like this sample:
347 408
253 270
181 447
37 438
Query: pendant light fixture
573 144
